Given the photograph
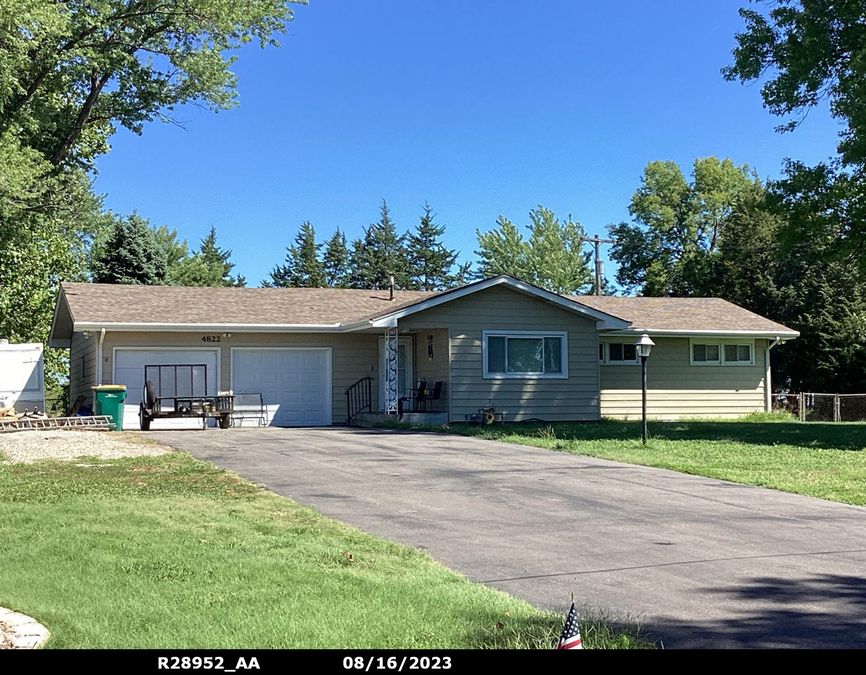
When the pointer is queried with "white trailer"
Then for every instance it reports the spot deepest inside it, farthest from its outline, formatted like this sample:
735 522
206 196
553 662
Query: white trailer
22 376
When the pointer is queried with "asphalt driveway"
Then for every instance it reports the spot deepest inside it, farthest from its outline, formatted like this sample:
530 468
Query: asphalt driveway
702 562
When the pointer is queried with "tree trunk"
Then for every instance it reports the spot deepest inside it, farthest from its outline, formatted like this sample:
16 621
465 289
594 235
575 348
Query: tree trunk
96 85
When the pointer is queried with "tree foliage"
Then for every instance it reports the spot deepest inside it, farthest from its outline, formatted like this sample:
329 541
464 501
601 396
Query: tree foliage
303 268
379 255
814 50
131 255
431 264
71 72
210 265
552 256
677 225
335 261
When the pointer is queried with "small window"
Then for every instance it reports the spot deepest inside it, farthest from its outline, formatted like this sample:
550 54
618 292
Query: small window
621 353
738 353
703 353
601 351
524 354
723 352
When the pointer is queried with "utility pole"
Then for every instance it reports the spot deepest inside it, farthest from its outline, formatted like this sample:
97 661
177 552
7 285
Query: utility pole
599 265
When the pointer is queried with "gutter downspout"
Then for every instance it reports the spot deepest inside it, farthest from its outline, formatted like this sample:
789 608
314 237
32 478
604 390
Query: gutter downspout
99 357
768 383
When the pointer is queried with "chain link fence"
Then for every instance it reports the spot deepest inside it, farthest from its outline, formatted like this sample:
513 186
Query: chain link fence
810 407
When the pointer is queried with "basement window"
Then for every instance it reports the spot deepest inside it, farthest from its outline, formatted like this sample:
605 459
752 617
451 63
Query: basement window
525 354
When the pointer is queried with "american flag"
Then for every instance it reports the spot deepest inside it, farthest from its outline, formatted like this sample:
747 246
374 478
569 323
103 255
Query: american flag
570 638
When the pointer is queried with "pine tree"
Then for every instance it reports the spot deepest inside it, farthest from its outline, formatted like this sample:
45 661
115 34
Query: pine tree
430 263
379 255
335 261
303 268
131 255
209 266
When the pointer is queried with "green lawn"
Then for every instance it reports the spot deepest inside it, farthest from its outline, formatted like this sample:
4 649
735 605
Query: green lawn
170 552
819 459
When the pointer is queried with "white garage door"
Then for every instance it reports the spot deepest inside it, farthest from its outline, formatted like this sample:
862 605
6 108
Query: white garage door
129 370
295 383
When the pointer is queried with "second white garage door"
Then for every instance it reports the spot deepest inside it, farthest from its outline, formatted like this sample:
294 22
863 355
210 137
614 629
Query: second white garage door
295 383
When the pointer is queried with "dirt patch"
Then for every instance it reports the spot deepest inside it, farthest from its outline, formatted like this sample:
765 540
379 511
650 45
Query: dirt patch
26 447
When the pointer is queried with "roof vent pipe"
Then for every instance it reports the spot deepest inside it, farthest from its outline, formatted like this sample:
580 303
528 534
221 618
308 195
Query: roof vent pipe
391 280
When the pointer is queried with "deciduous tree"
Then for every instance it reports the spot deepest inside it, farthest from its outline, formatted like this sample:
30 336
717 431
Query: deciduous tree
677 225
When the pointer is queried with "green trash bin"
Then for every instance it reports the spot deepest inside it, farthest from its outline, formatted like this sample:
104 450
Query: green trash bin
109 400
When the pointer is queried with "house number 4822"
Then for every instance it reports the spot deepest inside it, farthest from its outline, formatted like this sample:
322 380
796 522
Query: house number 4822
212 338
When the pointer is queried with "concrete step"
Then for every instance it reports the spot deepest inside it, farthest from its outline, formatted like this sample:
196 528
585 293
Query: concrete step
367 419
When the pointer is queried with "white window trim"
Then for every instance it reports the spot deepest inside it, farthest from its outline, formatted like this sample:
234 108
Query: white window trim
721 344
608 362
563 335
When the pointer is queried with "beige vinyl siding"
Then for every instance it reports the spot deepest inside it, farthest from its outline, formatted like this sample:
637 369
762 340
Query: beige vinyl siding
573 398
676 389
82 367
353 356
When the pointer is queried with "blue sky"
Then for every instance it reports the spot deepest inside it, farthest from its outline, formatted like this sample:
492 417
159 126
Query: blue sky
481 108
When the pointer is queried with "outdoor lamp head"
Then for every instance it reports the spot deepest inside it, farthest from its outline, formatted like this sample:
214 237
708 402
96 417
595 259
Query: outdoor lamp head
644 345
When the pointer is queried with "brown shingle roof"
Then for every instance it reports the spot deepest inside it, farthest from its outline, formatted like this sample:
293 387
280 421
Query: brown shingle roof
685 314
115 303
118 303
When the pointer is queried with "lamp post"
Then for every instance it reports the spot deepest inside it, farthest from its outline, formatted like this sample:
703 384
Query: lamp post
643 346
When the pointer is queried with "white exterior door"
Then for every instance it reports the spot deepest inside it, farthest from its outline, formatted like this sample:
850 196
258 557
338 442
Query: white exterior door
294 383
129 370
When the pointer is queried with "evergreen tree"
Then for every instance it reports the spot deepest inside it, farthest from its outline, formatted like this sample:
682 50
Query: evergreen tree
131 255
379 255
303 268
430 263
335 261
209 266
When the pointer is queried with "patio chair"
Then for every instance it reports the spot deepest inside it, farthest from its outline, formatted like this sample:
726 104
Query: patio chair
250 406
414 398
433 397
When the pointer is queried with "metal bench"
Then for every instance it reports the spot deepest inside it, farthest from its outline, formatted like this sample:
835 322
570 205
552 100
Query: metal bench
249 406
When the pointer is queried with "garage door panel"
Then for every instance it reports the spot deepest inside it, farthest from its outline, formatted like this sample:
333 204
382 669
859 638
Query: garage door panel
129 370
294 383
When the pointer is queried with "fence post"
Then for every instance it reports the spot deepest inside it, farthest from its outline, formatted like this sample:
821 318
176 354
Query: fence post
837 408
802 399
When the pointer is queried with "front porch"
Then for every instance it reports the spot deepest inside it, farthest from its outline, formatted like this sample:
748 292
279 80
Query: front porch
409 384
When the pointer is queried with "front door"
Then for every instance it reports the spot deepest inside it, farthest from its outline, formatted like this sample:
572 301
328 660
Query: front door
405 383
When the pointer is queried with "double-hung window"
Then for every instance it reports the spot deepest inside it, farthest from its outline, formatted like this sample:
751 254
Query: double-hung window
525 354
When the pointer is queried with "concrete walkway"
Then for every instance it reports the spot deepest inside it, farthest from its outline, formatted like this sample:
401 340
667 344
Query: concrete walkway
702 562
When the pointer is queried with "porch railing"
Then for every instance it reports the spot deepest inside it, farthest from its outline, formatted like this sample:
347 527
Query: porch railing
359 397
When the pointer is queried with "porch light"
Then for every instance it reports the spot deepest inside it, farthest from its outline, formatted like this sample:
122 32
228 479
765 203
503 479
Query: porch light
643 347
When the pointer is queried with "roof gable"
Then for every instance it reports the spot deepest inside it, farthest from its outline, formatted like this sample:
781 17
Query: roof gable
608 321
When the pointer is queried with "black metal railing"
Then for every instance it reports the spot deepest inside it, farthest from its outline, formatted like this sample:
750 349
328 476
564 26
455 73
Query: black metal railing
359 397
